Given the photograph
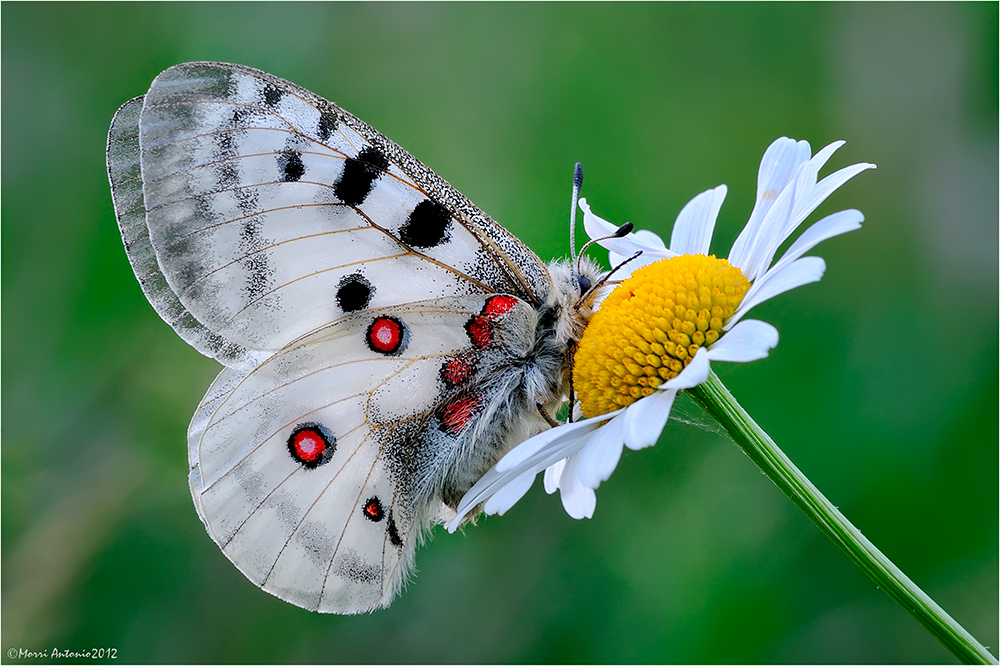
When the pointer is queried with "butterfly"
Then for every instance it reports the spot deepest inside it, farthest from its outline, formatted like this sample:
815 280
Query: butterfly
385 341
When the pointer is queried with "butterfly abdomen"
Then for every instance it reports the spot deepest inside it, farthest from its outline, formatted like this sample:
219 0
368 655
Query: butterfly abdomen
530 375
488 395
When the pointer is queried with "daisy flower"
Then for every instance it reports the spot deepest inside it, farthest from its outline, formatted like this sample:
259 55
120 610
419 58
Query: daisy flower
677 310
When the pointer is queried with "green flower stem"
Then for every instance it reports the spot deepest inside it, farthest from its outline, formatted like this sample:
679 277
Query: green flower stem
720 404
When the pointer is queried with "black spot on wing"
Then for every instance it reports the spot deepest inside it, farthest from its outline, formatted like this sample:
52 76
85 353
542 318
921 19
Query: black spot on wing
360 173
351 566
225 143
394 538
227 174
251 240
427 226
257 269
240 118
272 95
203 208
354 293
327 125
258 277
290 166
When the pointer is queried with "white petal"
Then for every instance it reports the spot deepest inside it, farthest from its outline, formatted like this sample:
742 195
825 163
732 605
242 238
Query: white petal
749 340
808 194
651 240
552 474
532 455
645 419
799 272
509 495
644 259
693 229
805 195
780 162
811 194
599 457
825 153
831 183
533 447
655 251
767 237
777 228
695 373
597 227
828 227
578 500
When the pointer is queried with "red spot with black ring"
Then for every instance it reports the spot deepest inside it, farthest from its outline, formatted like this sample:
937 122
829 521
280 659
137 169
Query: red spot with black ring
498 306
480 330
373 510
387 335
458 371
311 445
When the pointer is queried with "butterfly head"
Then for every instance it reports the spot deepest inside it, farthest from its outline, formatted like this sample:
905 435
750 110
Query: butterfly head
575 294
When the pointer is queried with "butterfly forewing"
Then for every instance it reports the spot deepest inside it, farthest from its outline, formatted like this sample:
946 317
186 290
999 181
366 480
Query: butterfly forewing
270 211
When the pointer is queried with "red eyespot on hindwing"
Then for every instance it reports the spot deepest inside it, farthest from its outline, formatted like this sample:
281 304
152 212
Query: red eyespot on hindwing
459 412
387 335
480 330
458 371
497 306
373 510
311 445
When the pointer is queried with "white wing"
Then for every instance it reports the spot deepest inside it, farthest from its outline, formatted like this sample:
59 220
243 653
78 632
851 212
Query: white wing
255 212
317 472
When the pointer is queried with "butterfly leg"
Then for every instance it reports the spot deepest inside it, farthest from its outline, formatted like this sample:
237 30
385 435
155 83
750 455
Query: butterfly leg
545 415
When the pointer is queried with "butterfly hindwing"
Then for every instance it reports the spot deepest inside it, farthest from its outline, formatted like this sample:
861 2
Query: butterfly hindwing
273 212
317 472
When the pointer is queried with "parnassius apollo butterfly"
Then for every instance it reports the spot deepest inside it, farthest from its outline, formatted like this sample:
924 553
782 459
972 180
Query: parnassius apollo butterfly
385 341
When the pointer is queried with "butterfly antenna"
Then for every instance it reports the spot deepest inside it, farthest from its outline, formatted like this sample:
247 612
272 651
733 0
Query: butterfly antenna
620 232
577 186
597 285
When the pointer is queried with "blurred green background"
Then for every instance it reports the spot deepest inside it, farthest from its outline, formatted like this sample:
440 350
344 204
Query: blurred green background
692 555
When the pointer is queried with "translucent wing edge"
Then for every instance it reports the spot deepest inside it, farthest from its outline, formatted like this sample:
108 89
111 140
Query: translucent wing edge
125 176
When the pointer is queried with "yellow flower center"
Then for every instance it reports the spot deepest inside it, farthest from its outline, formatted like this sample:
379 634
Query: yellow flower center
650 327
